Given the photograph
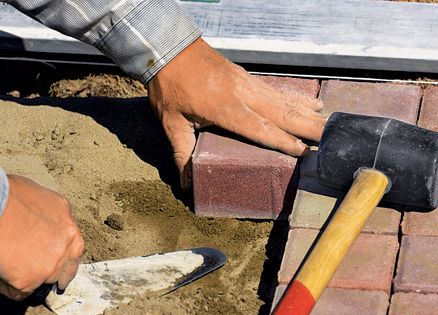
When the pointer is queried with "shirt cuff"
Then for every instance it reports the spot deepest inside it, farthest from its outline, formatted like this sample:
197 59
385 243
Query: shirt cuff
4 190
148 37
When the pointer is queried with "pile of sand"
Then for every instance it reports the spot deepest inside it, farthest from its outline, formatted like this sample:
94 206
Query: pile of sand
110 158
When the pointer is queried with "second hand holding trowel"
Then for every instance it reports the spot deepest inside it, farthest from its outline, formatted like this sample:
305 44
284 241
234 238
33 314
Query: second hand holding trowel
106 284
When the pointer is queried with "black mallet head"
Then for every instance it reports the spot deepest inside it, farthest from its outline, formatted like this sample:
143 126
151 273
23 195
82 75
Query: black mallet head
407 154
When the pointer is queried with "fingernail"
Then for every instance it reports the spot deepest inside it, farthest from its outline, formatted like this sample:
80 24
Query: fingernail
304 148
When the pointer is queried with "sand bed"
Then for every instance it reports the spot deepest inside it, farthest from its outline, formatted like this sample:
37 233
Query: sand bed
110 158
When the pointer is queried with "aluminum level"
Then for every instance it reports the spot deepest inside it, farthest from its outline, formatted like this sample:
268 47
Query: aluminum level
352 34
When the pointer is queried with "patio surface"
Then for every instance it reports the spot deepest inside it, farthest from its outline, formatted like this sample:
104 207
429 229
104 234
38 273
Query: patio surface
393 265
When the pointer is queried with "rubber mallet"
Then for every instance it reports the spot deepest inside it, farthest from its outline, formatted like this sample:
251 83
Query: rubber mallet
379 158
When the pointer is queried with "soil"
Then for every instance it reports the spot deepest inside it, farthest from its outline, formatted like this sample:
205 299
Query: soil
109 157
98 85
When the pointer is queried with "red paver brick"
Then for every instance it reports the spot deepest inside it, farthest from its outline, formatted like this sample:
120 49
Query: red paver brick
414 304
429 109
347 302
232 178
367 266
376 99
425 223
311 210
278 294
417 269
298 244
293 85
420 223
314 203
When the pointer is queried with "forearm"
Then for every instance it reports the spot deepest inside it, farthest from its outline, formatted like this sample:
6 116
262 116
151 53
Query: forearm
141 36
4 190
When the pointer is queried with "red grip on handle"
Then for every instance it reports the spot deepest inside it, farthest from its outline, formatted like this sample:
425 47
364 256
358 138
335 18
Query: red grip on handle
297 300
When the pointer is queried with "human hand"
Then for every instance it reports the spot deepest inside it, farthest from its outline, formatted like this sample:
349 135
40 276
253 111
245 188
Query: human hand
39 240
200 88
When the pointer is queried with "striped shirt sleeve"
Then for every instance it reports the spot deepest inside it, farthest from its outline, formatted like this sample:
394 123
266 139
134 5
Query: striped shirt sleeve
141 36
4 190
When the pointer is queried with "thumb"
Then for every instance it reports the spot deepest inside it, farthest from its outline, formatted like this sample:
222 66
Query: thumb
181 134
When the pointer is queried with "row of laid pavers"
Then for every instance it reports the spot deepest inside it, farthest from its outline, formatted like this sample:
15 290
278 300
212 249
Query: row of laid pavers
361 302
362 284
231 179
416 282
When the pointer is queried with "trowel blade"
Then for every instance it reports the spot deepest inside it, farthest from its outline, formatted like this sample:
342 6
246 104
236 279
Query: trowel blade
106 284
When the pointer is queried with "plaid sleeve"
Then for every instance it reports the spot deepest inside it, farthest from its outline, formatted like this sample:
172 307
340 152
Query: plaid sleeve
4 190
141 36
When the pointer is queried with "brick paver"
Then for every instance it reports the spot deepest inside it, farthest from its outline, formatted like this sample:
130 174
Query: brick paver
292 85
367 266
235 179
278 293
417 269
420 223
232 178
376 99
429 110
414 304
345 302
298 244
416 222
311 210
314 203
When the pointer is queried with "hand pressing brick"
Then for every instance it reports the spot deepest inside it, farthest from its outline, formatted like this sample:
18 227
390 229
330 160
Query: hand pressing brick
233 178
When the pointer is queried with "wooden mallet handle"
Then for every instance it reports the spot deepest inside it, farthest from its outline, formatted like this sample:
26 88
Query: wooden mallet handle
304 290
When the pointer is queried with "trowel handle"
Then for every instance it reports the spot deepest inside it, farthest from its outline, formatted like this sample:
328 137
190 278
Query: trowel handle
304 290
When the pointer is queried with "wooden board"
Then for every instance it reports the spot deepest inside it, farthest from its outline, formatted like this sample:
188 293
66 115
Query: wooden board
357 34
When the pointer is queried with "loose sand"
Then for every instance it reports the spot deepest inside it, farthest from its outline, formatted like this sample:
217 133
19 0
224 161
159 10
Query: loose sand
110 158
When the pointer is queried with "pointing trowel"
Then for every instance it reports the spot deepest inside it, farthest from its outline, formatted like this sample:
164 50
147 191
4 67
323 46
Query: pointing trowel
106 284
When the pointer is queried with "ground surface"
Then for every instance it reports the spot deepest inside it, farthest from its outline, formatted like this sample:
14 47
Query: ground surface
108 156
